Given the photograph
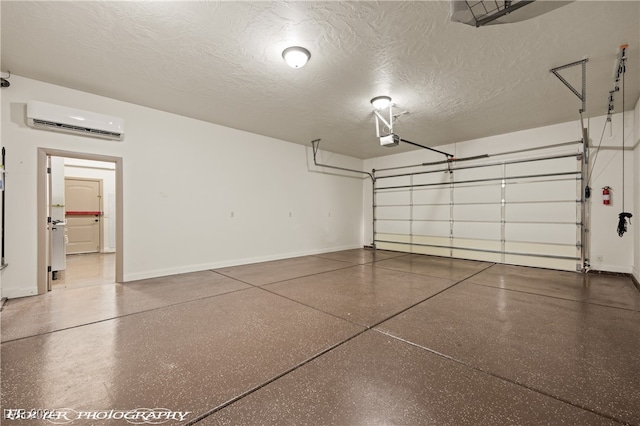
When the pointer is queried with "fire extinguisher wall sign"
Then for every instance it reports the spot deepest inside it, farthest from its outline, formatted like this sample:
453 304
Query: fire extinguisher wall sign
606 195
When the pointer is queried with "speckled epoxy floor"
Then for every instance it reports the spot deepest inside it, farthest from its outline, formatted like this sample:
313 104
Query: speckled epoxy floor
348 338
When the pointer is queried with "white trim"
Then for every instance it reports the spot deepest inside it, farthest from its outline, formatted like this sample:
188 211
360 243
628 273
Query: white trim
73 166
228 263
614 268
16 292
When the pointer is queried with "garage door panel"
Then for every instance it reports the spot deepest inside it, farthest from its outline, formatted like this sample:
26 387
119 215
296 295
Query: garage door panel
540 212
553 190
393 197
393 227
477 194
431 212
432 251
432 195
394 181
561 250
483 231
382 245
482 212
477 255
542 262
541 233
492 172
393 212
556 165
432 229
395 238
431 178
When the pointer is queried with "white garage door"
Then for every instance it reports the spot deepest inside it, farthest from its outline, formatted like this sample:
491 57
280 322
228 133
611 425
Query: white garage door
523 211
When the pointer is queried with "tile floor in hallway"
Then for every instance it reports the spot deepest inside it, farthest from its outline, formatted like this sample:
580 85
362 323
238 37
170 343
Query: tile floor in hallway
346 338
87 269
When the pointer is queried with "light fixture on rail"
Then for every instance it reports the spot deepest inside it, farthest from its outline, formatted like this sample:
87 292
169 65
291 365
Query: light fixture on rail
384 126
381 102
296 56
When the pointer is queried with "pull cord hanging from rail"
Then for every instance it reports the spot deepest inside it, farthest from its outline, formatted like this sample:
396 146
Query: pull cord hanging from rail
622 217
610 109
3 264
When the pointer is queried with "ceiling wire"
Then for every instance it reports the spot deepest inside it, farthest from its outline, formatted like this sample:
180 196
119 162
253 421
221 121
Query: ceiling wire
623 132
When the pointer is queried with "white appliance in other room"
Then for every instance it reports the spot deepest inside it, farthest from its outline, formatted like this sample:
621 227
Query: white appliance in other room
58 247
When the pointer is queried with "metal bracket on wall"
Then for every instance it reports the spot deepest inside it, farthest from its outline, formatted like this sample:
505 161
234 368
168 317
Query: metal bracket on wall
582 95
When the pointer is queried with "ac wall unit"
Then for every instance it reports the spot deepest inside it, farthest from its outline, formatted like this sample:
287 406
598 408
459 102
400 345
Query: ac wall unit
56 118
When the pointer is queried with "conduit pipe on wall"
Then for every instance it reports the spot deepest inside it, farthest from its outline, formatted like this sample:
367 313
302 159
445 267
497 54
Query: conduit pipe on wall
316 143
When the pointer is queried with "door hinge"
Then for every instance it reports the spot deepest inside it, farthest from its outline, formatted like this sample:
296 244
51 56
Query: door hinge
48 268
49 219
49 170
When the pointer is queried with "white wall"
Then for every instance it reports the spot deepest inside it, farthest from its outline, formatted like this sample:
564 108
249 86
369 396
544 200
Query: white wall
617 253
76 168
183 178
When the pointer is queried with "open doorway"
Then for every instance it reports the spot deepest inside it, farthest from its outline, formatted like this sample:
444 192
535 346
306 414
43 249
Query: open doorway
80 242
82 209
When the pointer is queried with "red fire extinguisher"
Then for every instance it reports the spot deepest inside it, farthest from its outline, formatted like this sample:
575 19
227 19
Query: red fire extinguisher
606 195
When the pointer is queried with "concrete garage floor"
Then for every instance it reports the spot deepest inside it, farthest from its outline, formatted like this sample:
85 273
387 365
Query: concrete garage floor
347 338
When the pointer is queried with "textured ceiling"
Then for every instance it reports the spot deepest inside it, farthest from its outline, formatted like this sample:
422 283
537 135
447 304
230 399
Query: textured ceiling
221 62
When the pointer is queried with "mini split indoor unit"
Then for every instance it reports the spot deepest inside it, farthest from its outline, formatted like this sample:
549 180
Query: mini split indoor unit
58 118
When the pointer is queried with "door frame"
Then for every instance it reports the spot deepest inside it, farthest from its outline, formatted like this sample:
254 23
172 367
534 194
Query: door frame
100 223
43 253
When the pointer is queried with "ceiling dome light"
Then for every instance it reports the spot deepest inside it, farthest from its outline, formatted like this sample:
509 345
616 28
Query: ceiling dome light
296 56
381 102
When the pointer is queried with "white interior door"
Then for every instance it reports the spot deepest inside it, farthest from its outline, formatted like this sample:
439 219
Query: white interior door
83 204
